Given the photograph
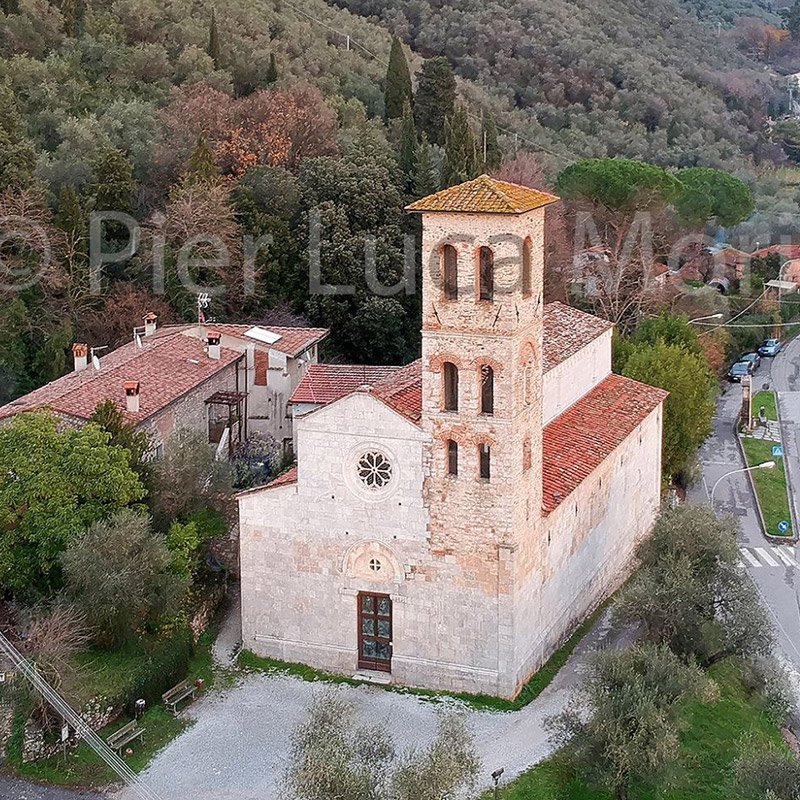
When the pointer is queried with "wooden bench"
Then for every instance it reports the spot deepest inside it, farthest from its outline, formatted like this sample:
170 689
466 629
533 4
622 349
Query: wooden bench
125 735
177 694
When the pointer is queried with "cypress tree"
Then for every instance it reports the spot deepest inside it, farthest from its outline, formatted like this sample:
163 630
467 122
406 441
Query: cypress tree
424 182
272 70
398 82
408 144
213 39
113 182
435 99
69 12
461 162
491 154
202 166
17 153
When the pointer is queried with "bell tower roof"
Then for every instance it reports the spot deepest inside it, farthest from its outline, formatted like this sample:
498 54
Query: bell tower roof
483 195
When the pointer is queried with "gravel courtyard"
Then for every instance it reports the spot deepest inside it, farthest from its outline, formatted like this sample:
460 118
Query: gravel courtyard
238 746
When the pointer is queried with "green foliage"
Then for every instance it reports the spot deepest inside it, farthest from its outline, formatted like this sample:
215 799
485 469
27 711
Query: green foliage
624 725
786 133
108 417
408 144
424 181
202 166
332 756
398 82
768 773
491 153
671 329
690 594
618 183
17 154
689 409
770 484
213 38
113 182
713 194
461 162
271 75
435 99
791 19
184 541
54 484
120 574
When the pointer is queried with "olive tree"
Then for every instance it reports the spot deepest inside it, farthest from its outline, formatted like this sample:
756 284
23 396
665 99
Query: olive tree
333 756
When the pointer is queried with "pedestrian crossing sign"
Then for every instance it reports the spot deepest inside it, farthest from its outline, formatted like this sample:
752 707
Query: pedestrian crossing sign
777 451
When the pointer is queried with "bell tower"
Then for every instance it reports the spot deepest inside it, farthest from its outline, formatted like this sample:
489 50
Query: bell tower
482 319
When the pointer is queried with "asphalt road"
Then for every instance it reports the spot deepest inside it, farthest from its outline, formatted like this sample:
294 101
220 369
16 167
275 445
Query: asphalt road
14 789
775 569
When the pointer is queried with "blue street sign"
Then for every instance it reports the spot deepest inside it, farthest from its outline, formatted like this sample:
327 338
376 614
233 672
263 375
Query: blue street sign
783 526
777 451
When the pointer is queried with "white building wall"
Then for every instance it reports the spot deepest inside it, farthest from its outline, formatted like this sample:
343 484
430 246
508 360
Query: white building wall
570 380
586 547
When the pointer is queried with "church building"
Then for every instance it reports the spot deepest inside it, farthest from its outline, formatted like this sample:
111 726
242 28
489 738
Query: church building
448 523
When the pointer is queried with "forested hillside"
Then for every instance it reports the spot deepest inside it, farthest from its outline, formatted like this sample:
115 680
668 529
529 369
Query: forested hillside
642 80
727 12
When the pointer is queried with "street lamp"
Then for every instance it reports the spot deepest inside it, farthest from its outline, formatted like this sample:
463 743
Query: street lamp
700 319
764 465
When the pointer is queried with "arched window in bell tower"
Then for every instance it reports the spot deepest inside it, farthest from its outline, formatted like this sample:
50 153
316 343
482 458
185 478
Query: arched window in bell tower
450 272
486 273
450 381
527 277
487 389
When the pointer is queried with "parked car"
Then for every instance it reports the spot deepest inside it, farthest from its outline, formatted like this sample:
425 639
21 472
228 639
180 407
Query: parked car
739 370
755 358
771 348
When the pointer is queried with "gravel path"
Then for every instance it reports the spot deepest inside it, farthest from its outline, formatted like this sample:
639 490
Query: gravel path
238 747
14 789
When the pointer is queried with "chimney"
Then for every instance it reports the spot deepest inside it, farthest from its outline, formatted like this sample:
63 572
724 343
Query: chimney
212 340
132 396
150 324
80 352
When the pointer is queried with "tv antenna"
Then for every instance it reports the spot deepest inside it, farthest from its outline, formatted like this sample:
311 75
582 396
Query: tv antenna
95 359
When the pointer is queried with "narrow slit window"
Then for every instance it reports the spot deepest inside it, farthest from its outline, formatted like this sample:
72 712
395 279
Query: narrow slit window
452 457
526 267
487 389
526 454
450 272
450 376
486 273
485 455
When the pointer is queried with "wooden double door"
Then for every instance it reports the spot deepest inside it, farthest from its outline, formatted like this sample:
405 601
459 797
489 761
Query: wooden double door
375 632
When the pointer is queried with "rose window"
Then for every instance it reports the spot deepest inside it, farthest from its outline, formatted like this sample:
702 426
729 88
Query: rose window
375 470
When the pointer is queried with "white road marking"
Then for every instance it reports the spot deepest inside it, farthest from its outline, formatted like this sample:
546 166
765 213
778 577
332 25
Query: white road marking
766 556
784 556
749 556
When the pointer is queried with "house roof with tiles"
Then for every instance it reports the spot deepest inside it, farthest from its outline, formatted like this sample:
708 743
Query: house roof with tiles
325 383
483 195
566 331
577 442
402 391
167 367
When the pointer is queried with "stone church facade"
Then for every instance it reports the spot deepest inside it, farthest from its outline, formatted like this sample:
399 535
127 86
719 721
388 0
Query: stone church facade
448 523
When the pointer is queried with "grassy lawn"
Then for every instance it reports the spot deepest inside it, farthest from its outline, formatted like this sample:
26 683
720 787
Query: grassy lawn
102 674
712 738
770 484
536 684
766 399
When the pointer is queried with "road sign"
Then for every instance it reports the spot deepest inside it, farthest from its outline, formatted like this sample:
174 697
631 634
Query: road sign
777 451
783 526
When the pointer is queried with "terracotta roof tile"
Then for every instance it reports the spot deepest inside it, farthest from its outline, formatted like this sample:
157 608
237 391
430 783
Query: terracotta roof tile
402 391
293 341
290 476
166 367
484 195
325 383
567 330
578 441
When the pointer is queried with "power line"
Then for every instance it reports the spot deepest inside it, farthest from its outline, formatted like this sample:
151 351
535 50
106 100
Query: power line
351 40
70 716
